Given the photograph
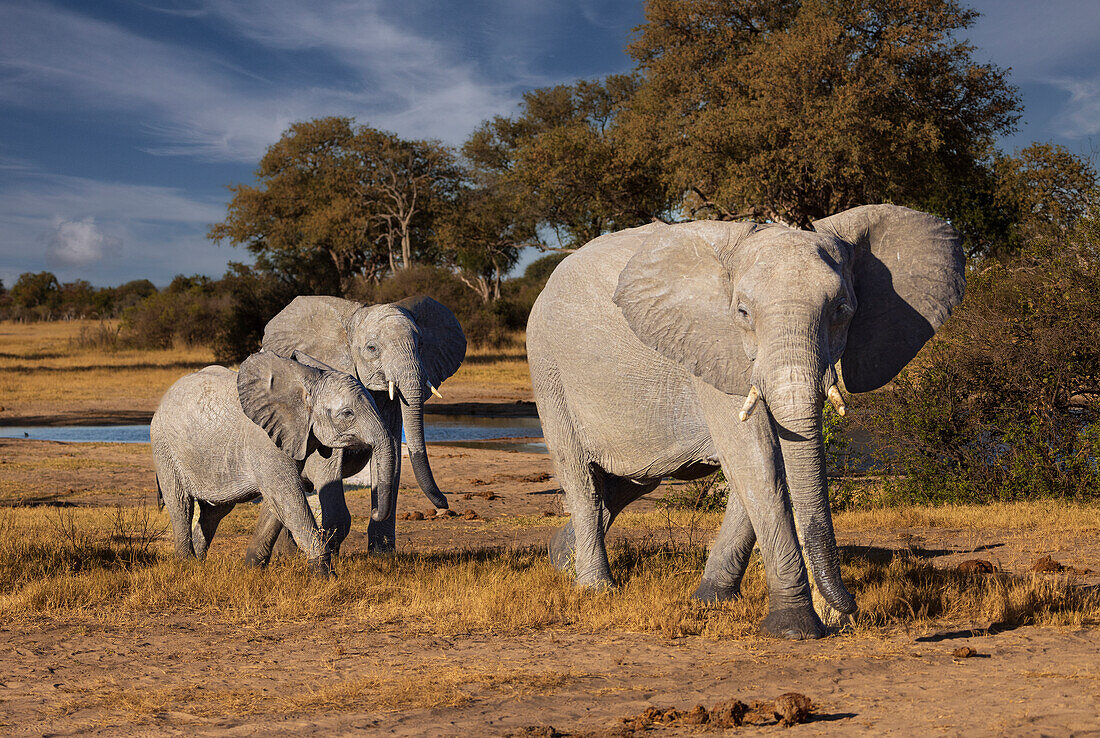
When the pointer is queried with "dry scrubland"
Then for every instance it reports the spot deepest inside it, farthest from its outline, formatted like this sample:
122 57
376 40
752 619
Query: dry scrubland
467 629
45 371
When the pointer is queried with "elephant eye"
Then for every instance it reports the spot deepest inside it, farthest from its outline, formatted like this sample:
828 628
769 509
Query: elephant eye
345 414
372 348
743 313
844 311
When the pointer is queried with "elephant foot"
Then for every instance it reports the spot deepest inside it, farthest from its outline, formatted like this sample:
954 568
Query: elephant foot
321 568
709 591
597 583
562 548
794 623
255 558
381 546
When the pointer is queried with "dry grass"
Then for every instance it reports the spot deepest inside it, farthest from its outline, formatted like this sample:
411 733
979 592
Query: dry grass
506 366
43 370
398 687
1038 515
107 566
36 472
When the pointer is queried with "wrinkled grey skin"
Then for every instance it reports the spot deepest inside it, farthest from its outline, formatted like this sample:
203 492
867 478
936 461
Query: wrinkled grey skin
413 343
221 437
644 346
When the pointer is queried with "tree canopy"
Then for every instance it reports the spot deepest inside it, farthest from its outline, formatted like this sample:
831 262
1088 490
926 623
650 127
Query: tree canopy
566 155
334 200
791 110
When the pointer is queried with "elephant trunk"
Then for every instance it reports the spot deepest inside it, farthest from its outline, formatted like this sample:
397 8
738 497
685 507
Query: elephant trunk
383 463
412 385
796 405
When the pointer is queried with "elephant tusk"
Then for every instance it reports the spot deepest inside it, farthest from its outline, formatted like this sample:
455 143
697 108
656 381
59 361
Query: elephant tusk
434 391
391 389
837 401
750 403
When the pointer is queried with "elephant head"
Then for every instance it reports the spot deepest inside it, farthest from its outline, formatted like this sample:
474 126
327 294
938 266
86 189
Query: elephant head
767 312
403 350
304 404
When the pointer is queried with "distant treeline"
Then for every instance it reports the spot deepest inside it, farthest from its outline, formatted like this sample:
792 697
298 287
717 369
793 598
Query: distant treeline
229 314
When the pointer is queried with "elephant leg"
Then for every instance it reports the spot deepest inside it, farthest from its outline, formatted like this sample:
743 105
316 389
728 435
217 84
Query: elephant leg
291 509
181 508
285 547
264 538
326 475
581 483
729 556
753 463
618 493
203 532
563 547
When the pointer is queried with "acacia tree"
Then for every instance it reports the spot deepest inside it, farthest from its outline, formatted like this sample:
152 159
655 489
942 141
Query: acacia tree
482 235
408 180
564 156
335 200
792 110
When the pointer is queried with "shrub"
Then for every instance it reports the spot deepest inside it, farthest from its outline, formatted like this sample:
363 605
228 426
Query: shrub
1003 403
188 311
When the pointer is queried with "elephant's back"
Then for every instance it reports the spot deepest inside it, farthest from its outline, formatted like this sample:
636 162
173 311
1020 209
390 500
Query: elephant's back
586 279
196 403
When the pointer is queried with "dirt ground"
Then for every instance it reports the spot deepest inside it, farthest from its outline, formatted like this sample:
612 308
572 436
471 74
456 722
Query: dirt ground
120 678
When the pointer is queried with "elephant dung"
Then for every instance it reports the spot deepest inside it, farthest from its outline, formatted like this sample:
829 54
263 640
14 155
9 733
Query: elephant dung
792 708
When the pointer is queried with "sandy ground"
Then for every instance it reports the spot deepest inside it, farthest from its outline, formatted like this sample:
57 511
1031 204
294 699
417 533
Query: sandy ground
1027 681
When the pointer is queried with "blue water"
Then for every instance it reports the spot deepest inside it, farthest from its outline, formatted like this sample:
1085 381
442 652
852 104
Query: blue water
437 429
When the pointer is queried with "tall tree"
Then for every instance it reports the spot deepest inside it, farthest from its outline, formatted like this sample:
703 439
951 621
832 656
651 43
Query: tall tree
482 235
564 155
335 200
795 109
1044 190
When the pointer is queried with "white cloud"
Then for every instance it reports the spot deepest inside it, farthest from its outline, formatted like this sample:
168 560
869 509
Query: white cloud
195 103
1080 117
79 243
106 232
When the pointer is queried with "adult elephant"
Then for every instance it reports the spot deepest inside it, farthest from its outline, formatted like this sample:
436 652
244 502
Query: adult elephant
400 351
673 350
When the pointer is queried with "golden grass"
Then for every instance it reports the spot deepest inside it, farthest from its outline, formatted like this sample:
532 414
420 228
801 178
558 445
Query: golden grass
107 566
43 371
1050 515
506 366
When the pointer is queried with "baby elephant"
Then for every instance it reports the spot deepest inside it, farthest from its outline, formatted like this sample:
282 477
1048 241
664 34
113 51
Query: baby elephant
220 437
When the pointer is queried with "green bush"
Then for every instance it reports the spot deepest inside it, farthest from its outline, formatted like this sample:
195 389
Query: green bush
188 311
1003 404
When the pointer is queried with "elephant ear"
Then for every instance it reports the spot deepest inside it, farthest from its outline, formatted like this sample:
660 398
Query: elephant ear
676 294
908 273
306 360
442 342
317 326
274 394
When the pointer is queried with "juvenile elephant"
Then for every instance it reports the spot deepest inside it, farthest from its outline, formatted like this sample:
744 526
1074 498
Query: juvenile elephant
221 437
401 351
673 350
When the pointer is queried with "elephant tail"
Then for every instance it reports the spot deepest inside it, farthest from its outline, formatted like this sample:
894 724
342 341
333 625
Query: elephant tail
160 495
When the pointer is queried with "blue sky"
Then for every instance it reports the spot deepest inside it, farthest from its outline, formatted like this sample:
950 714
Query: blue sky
122 123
